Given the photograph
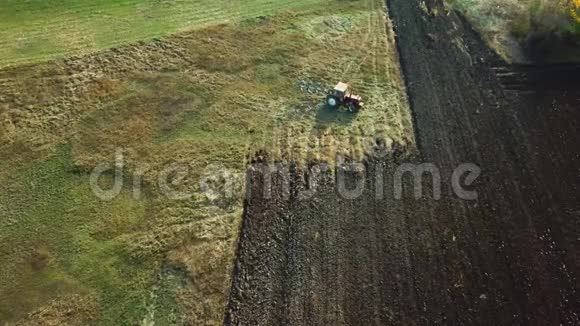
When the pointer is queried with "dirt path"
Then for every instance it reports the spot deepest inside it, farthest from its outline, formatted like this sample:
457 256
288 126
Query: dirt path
508 258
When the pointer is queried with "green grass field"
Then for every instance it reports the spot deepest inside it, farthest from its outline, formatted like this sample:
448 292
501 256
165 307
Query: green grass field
37 30
51 224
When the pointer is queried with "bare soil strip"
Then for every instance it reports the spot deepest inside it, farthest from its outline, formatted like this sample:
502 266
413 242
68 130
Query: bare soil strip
508 258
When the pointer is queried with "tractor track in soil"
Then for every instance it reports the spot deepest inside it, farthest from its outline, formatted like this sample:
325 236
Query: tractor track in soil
508 258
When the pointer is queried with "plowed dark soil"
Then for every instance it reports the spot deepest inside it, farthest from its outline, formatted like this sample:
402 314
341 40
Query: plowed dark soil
508 258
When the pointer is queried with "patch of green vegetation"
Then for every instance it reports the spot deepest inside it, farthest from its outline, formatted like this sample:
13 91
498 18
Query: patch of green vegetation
469 9
162 306
549 27
58 238
38 30
519 17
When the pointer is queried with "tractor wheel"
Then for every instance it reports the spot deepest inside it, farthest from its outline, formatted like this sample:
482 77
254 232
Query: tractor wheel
332 101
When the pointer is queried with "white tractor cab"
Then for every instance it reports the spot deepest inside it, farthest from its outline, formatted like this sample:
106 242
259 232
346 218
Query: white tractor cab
342 96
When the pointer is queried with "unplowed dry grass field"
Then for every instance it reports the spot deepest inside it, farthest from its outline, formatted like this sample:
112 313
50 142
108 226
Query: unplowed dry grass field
226 81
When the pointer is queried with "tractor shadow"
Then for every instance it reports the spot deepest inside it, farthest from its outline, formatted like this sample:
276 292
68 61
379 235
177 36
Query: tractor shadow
328 117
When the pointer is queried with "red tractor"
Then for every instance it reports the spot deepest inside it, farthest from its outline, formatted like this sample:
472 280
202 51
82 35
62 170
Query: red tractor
342 96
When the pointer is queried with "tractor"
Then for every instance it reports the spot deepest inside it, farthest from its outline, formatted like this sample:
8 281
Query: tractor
341 96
